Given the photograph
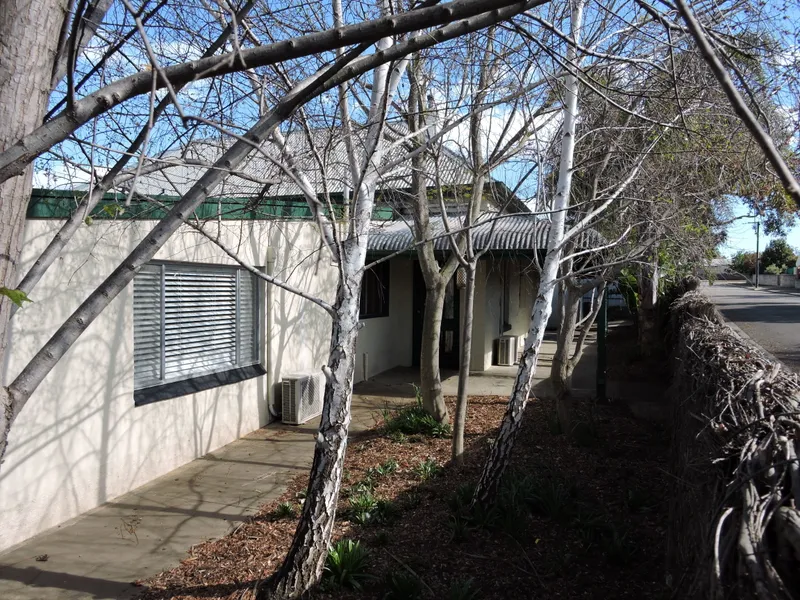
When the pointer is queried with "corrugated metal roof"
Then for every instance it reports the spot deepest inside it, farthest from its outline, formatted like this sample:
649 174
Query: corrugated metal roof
334 175
515 232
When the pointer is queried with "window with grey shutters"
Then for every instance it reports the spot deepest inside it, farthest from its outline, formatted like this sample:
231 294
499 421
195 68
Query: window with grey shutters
192 320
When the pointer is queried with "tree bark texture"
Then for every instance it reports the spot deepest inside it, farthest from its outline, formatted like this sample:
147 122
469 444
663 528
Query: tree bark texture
304 564
460 420
560 371
500 454
647 316
29 33
429 371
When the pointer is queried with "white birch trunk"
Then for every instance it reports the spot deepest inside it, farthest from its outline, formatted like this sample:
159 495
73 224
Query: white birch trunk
462 399
500 454
304 564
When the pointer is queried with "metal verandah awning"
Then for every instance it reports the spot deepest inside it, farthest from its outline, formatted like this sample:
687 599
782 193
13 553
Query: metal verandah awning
512 233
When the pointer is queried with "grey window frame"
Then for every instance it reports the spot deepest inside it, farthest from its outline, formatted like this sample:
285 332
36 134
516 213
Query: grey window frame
164 385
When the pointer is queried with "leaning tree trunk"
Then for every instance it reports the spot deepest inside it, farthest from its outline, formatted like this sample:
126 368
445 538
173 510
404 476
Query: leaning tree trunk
580 343
500 453
560 371
303 566
29 35
460 419
429 371
649 330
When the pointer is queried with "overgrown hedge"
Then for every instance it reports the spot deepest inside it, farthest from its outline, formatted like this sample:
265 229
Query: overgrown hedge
734 525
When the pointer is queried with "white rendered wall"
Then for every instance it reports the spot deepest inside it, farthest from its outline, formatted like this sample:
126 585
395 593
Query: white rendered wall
80 441
386 341
488 317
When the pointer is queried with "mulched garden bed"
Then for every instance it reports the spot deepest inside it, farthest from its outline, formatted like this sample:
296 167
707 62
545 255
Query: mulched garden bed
598 531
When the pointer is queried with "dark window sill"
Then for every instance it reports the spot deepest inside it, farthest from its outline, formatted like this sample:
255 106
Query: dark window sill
194 385
364 317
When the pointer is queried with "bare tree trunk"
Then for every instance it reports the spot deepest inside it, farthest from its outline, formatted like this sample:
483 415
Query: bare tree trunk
460 419
560 371
29 34
649 334
435 277
580 344
500 454
429 372
303 566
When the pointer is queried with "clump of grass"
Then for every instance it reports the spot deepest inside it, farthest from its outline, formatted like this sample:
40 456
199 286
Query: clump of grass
427 469
459 528
285 510
398 437
551 498
413 420
367 509
592 526
618 549
401 585
383 470
347 565
463 589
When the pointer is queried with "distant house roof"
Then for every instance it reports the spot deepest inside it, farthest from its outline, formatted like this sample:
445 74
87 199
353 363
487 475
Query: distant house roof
325 165
505 233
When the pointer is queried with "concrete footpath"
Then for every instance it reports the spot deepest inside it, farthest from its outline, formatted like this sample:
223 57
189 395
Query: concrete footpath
143 532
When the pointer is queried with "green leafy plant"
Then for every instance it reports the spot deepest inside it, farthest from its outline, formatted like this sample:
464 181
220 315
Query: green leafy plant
401 585
362 507
461 499
427 469
18 297
285 510
592 526
413 420
513 502
459 528
367 509
398 437
551 498
388 467
347 565
366 486
383 470
483 516
463 589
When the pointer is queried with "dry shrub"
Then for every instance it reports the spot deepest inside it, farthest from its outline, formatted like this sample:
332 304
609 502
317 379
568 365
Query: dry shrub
734 524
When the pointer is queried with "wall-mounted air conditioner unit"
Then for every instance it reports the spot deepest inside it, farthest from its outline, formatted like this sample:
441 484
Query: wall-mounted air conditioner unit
302 397
505 350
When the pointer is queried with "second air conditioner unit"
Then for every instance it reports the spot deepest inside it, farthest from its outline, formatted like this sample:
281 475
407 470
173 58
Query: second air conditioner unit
505 350
302 397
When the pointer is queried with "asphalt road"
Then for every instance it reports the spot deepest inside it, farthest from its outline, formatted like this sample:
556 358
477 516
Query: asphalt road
770 316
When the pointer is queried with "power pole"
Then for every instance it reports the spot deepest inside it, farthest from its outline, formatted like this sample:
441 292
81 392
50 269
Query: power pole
758 256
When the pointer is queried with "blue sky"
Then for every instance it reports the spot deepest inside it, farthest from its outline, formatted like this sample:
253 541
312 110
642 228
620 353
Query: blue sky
742 234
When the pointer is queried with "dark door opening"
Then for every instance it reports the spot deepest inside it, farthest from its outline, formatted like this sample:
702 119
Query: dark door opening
448 341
